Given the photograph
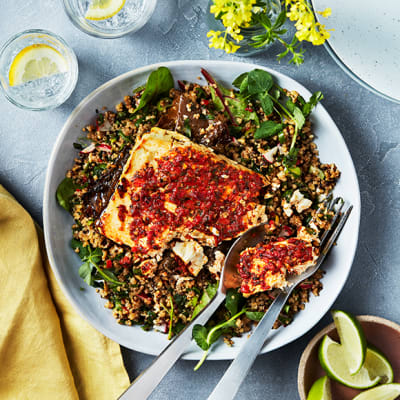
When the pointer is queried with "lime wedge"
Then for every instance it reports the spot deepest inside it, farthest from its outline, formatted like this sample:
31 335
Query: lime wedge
320 390
390 391
332 359
352 338
378 365
34 62
104 9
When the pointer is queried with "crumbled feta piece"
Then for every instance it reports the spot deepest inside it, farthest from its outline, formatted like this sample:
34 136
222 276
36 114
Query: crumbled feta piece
303 205
275 185
299 201
287 209
191 253
216 266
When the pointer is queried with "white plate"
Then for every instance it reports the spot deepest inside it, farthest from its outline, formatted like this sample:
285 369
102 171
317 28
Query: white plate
57 222
366 42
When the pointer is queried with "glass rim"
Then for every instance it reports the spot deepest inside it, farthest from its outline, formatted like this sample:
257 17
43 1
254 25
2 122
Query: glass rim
69 88
92 31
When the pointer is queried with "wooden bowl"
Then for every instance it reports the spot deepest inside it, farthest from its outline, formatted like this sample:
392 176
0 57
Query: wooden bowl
380 332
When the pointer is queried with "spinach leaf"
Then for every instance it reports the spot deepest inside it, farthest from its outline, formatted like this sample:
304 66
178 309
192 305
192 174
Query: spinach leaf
208 294
314 99
233 301
199 334
267 129
159 83
238 81
266 103
65 192
254 315
259 81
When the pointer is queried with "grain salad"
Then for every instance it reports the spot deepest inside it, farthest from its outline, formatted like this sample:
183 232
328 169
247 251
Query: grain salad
156 255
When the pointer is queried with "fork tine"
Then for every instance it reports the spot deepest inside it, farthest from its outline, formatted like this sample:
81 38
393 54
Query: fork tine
342 220
334 219
321 207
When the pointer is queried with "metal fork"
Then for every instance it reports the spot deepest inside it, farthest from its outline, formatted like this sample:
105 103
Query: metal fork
229 384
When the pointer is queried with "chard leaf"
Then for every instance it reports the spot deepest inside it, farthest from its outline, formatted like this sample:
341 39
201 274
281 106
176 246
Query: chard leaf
65 192
216 100
159 83
199 334
267 129
254 315
314 99
237 105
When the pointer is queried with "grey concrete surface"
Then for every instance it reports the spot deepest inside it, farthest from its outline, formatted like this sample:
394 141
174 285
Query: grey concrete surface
177 30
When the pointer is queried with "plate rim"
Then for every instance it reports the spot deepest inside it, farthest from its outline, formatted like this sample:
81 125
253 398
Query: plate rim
344 67
47 196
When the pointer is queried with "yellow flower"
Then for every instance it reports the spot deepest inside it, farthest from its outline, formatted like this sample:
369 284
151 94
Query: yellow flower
307 28
326 13
220 42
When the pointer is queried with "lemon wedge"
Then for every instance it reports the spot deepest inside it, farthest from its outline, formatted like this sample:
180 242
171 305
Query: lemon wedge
104 9
34 62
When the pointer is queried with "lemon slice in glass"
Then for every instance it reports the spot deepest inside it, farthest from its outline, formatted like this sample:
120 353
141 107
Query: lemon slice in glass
382 392
375 369
34 62
320 390
103 9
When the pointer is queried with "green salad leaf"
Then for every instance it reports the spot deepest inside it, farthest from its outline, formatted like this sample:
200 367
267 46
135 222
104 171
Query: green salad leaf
200 336
254 315
65 192
233 301
268 129
314 99
208 294
91 259
159 83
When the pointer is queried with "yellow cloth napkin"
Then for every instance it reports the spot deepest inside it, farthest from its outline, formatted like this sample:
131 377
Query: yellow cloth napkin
47 351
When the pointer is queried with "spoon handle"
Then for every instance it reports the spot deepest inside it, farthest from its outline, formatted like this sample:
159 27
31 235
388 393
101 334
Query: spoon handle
229 384
146 382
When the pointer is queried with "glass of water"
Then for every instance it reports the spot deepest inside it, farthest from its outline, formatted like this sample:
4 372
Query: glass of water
38 70
130 18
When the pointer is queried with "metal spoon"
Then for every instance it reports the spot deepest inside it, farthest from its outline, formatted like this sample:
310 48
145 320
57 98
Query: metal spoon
146 382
